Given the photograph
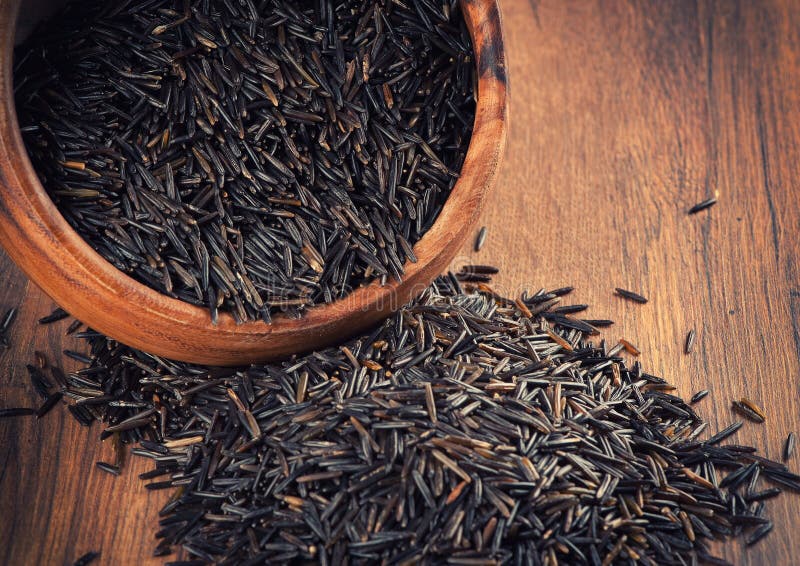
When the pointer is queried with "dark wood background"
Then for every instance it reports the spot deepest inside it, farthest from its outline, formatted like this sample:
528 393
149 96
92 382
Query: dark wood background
624 114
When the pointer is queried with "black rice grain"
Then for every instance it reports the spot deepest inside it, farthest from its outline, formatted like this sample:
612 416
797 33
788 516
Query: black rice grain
688 345
49 403
630 295
788 447
16 412
708 203
480 239
87 559
748 409
108 468
5 328
55 316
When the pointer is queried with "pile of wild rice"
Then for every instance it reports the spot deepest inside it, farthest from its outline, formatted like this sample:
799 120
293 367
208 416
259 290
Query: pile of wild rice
467 429
250 156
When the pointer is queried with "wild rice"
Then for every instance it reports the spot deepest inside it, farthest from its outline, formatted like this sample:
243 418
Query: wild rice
749 411
250 157
461 430
50 402
109 468
16 412
788 448
708 203
55 316
87 559
5 328
689 343
630 295
480 239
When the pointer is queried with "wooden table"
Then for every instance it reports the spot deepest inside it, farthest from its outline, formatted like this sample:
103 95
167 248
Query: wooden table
624 114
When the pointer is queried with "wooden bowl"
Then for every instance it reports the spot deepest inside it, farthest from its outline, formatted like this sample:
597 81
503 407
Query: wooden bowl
59 261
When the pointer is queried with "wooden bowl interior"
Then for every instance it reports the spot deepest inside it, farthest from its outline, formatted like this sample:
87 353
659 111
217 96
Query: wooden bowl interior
57 259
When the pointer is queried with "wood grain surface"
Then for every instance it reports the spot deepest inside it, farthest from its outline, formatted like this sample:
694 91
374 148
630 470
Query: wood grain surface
623 115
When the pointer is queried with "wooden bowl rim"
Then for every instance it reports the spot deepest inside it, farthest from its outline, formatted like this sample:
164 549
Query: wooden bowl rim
55 256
